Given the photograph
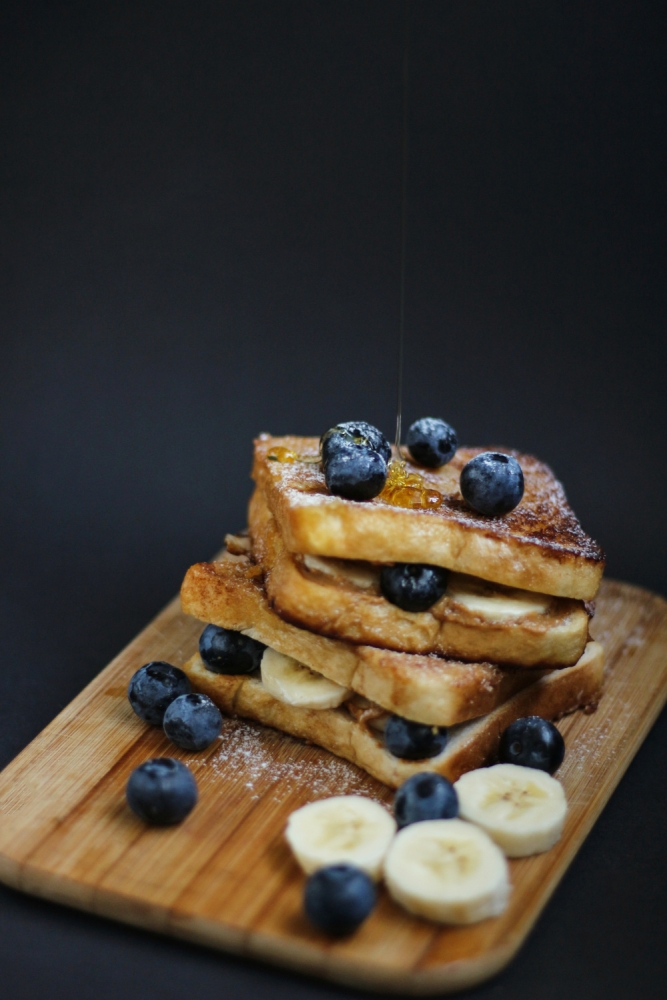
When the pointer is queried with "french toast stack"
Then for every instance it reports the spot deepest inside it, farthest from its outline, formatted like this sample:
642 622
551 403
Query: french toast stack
508 637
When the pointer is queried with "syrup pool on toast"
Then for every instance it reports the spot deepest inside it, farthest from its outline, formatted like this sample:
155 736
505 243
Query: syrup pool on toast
408 489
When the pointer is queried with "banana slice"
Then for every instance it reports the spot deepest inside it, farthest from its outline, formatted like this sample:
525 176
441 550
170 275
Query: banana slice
521 808
495 605
447 870
346 828
292 683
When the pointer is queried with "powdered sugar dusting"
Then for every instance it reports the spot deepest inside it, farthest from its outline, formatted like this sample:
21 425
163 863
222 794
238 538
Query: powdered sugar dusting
590 747
261 759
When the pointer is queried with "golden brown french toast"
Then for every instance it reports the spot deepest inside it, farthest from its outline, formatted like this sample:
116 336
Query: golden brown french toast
538 546
469 746
427 689
474 620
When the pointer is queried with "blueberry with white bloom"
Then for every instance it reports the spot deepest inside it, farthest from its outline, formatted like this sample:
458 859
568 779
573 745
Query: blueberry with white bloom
425 796
161 791
532 742
355 473
338 898
413 586
352 432
431 442
492 483
154 687
413 740
225 651
192 721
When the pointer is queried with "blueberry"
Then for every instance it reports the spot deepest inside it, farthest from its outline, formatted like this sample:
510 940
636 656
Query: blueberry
532 742
192 721
413 586
492 483
161 791
351 433
225 651
355 472
413 740
425 796
338 898
154 687
431 442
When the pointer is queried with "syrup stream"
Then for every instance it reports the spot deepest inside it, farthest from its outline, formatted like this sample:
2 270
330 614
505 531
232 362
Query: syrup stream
404 225
402 488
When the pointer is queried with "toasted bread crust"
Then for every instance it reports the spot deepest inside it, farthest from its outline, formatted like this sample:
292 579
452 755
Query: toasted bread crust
471 745
554 638
539 546
426 689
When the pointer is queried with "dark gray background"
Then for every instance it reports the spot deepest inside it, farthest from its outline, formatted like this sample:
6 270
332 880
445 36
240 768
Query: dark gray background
199 241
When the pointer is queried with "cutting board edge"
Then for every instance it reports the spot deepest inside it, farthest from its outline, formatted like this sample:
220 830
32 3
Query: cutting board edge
271 950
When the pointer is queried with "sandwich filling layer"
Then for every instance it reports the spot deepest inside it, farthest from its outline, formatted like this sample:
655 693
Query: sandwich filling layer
428 689
474 620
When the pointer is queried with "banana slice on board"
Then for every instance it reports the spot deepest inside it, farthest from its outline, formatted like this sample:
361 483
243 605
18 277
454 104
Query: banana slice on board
447 870
347 828
292 683
521 808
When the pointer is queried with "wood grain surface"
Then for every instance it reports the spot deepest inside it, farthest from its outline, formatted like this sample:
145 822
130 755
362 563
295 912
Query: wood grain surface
225 877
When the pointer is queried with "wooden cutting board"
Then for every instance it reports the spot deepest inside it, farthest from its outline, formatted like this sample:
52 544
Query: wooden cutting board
225 877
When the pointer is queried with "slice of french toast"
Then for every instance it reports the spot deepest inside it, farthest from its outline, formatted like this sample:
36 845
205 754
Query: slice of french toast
474 620
538 546
341 731
427 689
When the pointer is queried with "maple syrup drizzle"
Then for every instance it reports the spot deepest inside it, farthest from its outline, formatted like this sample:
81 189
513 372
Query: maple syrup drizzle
286 455
408 489
404 224
402 488
280 454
